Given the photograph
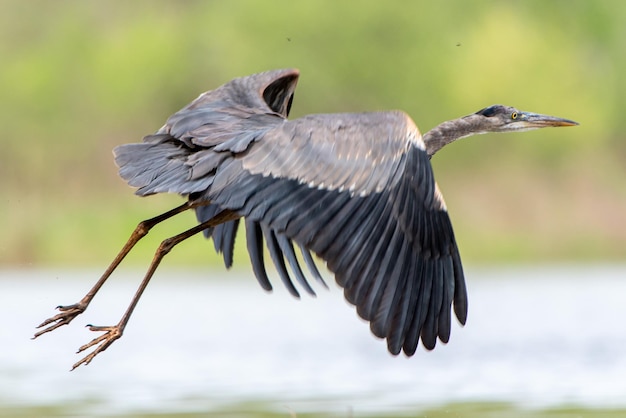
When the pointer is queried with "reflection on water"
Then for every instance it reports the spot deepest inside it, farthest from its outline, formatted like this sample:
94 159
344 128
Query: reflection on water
537 337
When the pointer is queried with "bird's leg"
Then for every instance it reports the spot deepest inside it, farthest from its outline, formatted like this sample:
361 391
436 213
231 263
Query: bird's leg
69 312
112 333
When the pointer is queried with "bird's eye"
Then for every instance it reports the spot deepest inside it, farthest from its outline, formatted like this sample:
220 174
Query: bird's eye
514 115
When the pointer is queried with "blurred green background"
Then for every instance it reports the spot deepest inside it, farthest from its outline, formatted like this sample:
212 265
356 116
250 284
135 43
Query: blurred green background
79 77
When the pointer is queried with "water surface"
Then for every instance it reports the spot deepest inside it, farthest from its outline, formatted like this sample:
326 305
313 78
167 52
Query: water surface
538 337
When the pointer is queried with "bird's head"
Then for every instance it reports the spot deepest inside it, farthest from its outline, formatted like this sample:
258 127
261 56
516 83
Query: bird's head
500 118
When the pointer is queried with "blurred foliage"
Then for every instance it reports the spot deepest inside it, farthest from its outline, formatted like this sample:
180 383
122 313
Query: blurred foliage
80 77
285 410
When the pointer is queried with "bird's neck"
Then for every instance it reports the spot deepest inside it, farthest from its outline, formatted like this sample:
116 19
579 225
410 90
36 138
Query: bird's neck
448 132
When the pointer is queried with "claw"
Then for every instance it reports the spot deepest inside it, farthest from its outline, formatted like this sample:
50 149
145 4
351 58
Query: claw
105 340
67 314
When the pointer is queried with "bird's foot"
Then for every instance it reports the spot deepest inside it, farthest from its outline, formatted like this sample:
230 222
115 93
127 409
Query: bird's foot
67 314
104 341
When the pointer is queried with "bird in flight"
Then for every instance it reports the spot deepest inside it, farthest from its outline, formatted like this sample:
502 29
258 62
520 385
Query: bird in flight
355 189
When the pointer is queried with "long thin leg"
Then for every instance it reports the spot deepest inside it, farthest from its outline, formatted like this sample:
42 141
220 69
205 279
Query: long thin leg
112 333
69 312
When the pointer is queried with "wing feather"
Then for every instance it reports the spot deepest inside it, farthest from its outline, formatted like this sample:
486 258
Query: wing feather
402 311
429 329
444 324
354 273
286 248
394 284
279 261
311 235
254 243
385 260
223 234
303 223
310 263
420 310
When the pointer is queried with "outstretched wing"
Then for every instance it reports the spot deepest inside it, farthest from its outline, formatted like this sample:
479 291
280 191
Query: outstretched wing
356 189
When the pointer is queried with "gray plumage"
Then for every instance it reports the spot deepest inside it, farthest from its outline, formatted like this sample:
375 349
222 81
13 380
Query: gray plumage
357 189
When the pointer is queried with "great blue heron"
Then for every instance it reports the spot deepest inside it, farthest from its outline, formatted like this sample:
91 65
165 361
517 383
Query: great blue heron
357 189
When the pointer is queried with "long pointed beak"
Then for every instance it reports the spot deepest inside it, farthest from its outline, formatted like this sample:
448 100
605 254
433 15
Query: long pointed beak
536 120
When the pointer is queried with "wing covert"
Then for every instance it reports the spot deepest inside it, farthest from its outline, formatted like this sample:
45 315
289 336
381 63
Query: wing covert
358 152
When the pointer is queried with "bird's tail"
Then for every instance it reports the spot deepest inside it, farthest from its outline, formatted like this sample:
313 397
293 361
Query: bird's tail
158 165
